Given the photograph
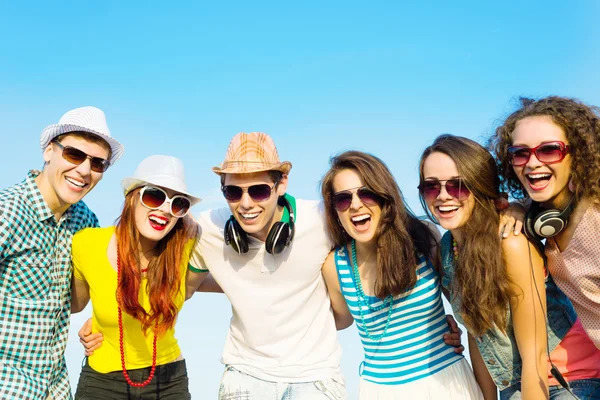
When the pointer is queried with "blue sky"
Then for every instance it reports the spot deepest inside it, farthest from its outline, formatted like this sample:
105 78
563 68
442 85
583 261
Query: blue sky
319 77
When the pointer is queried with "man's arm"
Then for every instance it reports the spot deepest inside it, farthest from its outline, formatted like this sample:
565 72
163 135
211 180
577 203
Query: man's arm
80 294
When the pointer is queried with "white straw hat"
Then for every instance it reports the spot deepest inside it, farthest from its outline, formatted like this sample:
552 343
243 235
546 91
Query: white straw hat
164 171
84 119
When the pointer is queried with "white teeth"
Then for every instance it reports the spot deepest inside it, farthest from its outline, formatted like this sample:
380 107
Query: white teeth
157 220
539 176
360 217
447 208
250 216
74 182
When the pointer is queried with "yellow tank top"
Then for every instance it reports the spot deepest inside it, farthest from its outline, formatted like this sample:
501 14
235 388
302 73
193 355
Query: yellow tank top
90 264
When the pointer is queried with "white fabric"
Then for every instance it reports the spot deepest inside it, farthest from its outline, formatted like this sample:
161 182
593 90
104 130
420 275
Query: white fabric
282 329
159 170
84 119
454 383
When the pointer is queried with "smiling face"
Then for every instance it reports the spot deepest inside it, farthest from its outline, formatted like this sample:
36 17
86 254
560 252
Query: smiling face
153 225
63 183
256 217
545 183
451 212
360 221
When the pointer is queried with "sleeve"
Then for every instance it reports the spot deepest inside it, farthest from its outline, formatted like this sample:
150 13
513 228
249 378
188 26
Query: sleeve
5 237
76 249
197 263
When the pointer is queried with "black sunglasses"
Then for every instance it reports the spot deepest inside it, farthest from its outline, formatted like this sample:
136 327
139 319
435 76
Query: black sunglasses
431 188
77 157
258 193
343 199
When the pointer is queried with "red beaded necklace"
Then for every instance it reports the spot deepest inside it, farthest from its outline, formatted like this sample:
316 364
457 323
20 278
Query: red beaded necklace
125 374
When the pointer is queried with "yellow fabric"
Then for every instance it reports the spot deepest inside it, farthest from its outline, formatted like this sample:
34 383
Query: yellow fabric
90 264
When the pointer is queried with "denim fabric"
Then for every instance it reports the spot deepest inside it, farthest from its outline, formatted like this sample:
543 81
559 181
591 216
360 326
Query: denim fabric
236 385
170 382
499 350
584 389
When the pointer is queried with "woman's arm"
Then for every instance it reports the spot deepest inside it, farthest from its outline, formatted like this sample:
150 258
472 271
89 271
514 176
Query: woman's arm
80 294
482 375
525 267
343 318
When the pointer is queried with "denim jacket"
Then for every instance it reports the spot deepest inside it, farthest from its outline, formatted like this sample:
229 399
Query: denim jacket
498 350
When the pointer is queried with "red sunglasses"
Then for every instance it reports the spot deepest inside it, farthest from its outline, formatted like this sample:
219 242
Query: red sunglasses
431 188
547 153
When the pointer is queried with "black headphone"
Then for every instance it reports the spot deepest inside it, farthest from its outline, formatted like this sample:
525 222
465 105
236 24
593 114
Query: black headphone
279 238
540 224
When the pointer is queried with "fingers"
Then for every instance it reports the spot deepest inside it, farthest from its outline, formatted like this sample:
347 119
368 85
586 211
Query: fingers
518 227
86 329
507 225
453 325
91 343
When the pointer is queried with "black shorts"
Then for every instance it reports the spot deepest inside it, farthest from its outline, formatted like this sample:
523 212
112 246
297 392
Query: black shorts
170 382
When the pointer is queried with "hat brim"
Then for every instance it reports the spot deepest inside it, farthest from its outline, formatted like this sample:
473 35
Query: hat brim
52 131
129 184
245 168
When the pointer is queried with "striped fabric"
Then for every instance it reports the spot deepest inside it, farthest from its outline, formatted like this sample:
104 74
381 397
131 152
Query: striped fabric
413 346
35 304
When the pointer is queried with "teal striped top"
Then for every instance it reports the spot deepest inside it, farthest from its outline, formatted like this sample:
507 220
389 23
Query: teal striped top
412 347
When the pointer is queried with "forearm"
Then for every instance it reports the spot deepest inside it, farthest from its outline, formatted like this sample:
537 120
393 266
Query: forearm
534 377
482 375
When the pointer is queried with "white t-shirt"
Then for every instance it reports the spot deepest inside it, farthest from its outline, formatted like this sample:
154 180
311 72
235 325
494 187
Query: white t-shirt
282 329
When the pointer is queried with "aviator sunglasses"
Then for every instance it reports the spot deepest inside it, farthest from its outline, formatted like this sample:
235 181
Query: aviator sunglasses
258 193
343 199
547 153
430 189
153 197
77 157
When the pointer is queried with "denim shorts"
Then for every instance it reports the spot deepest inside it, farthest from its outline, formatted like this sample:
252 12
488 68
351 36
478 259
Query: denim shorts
584 389
236 385
170 382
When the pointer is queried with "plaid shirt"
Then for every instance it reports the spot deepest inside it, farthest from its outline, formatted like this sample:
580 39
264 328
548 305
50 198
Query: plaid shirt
35 301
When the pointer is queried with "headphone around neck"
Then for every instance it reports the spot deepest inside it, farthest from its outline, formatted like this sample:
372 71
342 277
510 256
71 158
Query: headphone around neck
279 238
540 224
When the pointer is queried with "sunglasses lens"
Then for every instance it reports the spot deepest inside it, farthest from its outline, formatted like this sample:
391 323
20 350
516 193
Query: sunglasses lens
342 201
549 153
430 189
455 188
368 197
73 155
180 206
98 164
518 155
232 193
153 198
260 192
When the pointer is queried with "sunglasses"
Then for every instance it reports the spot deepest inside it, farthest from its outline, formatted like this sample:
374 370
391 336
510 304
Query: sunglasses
430 189
257 193
343 199
547 153
153 197
77 157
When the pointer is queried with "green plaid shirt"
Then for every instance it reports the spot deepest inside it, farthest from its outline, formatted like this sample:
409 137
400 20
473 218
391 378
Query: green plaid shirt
35 301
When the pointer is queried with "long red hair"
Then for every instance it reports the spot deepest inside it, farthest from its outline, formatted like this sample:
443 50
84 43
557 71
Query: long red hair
164 277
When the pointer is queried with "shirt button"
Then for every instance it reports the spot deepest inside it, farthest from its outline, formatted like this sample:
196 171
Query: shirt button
505 383
491 362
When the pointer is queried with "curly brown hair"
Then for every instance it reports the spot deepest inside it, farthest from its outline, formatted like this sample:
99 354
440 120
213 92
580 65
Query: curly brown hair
581 125
480 281
400 236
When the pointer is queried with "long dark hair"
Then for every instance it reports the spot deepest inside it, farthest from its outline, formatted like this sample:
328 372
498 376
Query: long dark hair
164 277
480 279
400 236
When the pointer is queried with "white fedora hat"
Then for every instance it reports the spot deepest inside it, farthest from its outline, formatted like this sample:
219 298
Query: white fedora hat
164 171
85 119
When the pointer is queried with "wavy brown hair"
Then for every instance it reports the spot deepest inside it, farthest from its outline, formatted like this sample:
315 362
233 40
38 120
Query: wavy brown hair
480 279
581 125
164 276
400 236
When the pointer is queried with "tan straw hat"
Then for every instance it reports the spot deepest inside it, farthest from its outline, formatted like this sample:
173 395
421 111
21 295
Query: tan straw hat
252 152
